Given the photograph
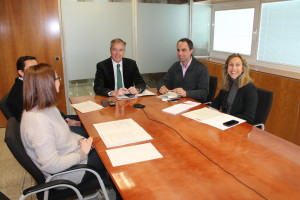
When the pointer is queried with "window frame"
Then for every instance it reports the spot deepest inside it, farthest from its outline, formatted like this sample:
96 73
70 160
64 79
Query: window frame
252 59
233 6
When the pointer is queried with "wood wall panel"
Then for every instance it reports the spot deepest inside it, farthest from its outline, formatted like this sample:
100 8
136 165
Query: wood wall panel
28 27
297 131
283 119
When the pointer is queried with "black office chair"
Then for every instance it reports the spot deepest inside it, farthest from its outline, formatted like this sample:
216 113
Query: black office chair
213 83
15 145
4 108
3 196
265 99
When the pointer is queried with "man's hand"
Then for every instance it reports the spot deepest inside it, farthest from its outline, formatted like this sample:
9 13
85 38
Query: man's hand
163 89
180 92
72 122
133 90
119 92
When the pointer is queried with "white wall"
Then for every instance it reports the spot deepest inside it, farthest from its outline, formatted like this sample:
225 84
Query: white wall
159 28
88 28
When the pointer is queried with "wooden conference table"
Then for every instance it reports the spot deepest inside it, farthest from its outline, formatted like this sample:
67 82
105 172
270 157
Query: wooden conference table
199 161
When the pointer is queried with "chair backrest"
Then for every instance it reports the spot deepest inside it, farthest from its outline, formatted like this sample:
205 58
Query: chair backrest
3 196
15 145
213 83
4 108
265 99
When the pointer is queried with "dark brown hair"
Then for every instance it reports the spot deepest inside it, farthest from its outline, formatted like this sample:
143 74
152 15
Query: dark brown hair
39 87
21 62
188 41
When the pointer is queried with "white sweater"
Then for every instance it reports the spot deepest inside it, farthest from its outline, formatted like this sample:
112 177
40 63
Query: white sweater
50 144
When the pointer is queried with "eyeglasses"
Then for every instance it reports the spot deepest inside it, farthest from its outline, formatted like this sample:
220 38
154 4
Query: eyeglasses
58 78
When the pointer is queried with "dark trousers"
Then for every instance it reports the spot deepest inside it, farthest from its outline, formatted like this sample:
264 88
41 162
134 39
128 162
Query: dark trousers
77 129
95 162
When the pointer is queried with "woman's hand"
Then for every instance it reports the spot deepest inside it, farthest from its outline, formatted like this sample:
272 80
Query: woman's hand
86 144
72 122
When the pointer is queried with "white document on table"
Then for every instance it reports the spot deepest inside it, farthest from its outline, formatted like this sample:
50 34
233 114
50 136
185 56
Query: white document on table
125 97
178 108
218 121
169 95
202 114
212 117
145 93
120 132
133 154
87 106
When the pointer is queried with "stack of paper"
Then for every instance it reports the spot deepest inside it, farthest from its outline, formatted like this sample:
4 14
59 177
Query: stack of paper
133 154
145 93
132 96
178 108
126 97
212 117
120 132
218 121
87 106
201 114
169 95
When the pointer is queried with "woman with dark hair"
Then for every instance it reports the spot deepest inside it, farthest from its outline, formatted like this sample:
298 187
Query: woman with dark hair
238 95
46 136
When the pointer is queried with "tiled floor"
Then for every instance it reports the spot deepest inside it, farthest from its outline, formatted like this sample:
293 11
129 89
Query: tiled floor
11 172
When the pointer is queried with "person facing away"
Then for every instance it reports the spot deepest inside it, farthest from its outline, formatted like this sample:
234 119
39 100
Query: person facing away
15 96
238 95
46 137
118 75
187 77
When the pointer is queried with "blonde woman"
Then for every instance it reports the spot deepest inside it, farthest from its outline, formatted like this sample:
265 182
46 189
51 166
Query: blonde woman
238 95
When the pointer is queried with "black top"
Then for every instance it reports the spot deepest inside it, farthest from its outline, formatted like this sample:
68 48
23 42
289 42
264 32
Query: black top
244 104
195 81
15 99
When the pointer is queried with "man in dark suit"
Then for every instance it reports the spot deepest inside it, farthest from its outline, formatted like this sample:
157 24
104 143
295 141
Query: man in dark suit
118 75
15 97
187 77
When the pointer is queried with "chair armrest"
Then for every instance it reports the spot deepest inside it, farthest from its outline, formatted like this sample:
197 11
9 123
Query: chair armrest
81 167
75 168
50 185
207 103
261 126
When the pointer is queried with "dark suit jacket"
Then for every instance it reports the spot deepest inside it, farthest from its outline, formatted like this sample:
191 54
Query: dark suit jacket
195 81
105 81
15 99
244 104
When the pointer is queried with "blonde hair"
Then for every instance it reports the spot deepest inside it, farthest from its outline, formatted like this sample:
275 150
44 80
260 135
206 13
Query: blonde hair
39 87
244 78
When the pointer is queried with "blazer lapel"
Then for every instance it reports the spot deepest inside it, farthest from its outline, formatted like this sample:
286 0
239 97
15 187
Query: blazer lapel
110 71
